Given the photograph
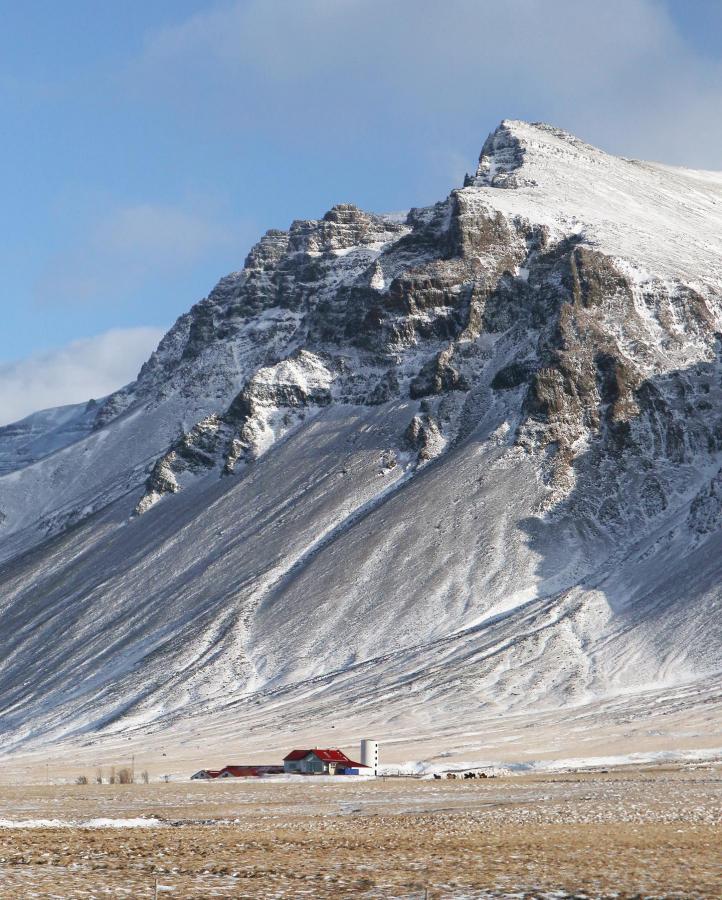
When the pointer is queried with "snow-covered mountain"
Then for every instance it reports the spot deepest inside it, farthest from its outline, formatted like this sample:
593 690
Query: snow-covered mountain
443 467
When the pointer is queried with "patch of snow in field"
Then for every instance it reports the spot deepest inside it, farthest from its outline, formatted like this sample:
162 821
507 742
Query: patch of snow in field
138 822
624 759
426 769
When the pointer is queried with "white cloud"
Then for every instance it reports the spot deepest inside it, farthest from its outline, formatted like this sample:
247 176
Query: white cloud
90 367
335 71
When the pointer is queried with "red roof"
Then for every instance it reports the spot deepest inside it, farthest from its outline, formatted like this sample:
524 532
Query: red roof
240 771
295 755
328 756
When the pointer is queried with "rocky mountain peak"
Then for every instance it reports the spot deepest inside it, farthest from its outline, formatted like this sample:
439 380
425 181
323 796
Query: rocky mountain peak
516 151
459 434
501 155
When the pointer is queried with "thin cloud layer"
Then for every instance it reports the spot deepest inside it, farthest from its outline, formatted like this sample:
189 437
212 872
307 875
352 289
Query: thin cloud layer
422 72
127 248
91 367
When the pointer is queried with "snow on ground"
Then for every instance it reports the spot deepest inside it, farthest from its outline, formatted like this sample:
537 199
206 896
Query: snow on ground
88 823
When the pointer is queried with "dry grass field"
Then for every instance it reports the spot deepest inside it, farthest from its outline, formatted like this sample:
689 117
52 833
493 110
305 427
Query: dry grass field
622 833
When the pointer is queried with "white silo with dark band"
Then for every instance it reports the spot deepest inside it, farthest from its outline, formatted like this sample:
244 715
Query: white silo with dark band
370 755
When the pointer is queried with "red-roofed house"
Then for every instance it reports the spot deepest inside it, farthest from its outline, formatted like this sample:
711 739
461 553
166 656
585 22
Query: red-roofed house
322 762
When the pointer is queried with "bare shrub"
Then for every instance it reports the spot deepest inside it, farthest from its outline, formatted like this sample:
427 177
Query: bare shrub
113 778
99 776
82 779
125 776
145 777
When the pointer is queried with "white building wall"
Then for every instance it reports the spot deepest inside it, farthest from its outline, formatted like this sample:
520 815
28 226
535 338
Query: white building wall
370 754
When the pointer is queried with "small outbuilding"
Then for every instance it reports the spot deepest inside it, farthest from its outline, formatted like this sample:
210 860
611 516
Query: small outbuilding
206 774
251 771
322 762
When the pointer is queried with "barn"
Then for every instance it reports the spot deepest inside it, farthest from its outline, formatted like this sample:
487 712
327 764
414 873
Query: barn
322 762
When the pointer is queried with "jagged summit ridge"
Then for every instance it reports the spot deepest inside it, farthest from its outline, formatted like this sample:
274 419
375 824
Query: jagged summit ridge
367 256
466 452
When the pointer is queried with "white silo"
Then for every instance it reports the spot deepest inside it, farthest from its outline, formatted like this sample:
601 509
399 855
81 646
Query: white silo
370 755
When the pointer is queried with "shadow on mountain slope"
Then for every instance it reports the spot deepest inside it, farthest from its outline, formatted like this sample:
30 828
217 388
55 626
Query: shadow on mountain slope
646 503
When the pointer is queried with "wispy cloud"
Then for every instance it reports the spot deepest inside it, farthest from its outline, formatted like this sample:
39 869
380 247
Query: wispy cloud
91 367
337 71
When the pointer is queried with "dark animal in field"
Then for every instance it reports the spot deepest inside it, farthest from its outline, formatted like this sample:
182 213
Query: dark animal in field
451 775
438 777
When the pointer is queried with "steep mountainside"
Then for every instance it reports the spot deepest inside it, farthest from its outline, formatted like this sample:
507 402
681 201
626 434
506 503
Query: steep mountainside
443 467
42 433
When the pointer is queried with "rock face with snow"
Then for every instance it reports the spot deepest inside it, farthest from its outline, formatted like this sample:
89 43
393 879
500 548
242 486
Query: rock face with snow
472 456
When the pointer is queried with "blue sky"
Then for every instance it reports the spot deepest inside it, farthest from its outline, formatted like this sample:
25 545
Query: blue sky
146 145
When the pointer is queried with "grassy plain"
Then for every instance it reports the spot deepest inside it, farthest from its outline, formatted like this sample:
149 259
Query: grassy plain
637 832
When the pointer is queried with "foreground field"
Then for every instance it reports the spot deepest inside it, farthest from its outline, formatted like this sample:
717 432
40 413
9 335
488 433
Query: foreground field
651 833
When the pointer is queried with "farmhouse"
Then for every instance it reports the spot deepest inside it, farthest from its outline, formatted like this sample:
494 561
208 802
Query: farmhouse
322 762
304 762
